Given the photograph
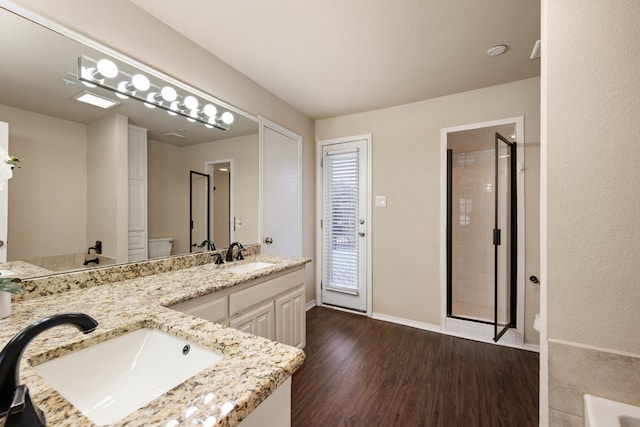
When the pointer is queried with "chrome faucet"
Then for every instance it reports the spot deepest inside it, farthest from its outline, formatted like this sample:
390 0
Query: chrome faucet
239 257
15 403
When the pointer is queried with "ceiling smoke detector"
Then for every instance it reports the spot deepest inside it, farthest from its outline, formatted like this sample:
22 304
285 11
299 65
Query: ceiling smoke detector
497 50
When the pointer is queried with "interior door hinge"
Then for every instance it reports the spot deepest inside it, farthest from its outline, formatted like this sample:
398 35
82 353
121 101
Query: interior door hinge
321 223
321 161
496 237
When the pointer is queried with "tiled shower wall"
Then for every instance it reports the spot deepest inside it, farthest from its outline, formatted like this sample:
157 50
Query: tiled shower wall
473 216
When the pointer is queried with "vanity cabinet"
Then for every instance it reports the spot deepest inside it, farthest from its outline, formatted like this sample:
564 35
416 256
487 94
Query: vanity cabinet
212 307
271 307
290 319
259 321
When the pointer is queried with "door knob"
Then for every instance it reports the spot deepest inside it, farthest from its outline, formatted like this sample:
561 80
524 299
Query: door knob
1 243
268 240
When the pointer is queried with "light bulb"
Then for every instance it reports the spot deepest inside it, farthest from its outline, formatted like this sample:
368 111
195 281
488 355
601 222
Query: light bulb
169 93
227 118
173 108
107 68
87 73
210 110
122 87
191 102
194 114
151 99
140 82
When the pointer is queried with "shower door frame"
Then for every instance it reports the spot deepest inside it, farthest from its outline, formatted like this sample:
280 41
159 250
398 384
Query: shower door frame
470 328
207 195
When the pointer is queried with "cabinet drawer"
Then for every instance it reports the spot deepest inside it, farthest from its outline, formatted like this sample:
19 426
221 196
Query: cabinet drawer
214 310
246 298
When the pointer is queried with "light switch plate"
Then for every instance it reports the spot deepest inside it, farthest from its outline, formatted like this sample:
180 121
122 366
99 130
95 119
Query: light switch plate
381 201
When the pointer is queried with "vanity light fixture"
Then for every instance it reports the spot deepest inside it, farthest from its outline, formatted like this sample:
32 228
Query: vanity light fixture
105 74
96 100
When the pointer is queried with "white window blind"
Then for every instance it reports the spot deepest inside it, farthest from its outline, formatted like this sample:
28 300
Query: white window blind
340 221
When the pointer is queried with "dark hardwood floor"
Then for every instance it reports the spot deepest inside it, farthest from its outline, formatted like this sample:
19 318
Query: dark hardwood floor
365 372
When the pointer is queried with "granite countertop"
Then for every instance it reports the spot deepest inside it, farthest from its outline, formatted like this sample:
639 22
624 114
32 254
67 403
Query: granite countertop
221 395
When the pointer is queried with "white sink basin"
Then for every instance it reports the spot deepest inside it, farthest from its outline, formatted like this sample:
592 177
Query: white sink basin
7 273
599 412
110 380
248 267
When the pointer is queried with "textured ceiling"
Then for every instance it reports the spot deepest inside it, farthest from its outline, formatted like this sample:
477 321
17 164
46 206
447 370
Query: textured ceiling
335 57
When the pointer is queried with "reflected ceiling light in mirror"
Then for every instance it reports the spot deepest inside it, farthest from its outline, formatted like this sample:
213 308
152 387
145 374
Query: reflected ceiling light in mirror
227 118
103 69
139 82
151 100
96 100
210 110
104 73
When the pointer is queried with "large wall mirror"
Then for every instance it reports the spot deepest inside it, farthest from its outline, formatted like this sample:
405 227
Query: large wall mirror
65 195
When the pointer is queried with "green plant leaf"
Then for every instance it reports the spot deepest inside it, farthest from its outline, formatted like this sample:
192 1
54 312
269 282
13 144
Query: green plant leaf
10 284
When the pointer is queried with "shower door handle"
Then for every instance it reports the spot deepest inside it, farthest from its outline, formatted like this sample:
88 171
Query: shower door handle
496 237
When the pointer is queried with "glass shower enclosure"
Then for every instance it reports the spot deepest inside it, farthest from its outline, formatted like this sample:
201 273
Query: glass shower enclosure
481 227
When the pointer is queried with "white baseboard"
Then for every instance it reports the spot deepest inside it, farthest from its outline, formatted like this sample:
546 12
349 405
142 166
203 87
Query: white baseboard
310 305
436 328
406 322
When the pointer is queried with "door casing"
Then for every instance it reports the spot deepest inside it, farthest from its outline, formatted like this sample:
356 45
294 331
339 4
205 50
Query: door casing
457 326
318 229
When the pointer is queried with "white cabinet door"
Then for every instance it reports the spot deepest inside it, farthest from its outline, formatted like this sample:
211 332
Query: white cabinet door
137 174
259 321
290 319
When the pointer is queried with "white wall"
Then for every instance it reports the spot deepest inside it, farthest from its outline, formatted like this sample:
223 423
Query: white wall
48 194
591 93
406 168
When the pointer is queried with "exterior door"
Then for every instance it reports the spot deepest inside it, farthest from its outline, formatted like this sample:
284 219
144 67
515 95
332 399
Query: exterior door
344 224
281 187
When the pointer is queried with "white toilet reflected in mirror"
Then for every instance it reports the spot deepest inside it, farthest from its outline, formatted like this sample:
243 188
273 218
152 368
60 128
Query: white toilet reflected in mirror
160 247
